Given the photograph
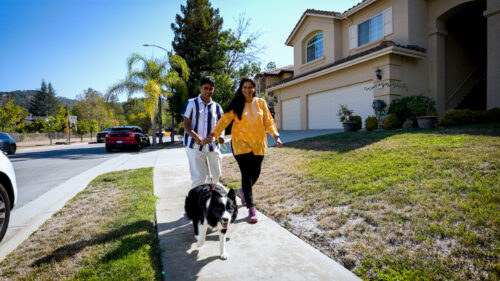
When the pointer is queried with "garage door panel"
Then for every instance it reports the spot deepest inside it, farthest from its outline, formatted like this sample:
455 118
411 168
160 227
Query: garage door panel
291 114
323 107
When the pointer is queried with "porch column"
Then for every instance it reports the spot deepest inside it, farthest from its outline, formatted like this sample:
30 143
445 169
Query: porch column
436 58
492 14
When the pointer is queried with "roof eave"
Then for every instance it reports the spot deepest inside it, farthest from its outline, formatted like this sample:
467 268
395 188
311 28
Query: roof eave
385 51
302 19
357 8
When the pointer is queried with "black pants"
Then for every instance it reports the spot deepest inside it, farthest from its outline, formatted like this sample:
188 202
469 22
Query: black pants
250 165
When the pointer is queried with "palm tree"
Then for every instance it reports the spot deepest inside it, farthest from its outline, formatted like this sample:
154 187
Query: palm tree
156 78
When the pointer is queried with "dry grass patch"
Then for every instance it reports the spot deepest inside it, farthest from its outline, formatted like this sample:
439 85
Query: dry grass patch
391 205
106 232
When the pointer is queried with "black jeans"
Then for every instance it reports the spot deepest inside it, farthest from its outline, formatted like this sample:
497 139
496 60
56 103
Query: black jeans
250 165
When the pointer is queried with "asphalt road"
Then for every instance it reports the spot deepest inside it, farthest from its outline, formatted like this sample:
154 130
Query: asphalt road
40 169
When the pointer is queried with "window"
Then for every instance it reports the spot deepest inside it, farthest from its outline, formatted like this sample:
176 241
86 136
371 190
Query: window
314 47
370 30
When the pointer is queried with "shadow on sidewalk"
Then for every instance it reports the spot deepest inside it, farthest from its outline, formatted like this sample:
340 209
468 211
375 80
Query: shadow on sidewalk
180 251
183 258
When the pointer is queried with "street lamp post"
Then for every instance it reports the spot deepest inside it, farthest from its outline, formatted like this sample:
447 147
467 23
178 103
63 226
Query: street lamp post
159 104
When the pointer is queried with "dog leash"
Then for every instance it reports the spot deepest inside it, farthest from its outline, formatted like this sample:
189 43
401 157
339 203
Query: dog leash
223 148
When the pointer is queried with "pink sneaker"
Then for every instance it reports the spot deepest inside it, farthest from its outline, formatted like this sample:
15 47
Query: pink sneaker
242 196
252 215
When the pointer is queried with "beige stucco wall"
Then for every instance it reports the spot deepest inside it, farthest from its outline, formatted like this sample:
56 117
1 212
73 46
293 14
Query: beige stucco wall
399 24
362 72
444 77
336 34
415 22
310 27
493 54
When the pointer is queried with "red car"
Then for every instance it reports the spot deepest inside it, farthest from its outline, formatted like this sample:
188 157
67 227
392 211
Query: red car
126 137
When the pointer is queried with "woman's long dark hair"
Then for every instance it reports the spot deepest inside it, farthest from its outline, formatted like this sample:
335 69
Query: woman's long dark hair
238 102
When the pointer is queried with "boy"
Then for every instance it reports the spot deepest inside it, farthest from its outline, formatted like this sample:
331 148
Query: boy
200 116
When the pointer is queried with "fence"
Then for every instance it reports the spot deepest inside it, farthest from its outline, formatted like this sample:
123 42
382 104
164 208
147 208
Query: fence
37 139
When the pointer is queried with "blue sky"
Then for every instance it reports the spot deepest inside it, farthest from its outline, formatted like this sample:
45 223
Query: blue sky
80 44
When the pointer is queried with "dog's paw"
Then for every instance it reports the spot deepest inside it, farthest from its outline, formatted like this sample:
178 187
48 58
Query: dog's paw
224 256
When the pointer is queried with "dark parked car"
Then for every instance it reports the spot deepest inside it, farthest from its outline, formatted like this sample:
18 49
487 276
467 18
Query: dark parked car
101 136
126 137
7 143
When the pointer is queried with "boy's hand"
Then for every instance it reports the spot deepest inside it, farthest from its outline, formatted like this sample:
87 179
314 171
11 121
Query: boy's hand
198 140
221 140
206 141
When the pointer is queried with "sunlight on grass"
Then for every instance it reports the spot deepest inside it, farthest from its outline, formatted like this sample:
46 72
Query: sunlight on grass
106 232
392 205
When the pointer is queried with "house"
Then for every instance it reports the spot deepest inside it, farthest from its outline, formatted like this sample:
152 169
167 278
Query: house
448 50
271 76
31 118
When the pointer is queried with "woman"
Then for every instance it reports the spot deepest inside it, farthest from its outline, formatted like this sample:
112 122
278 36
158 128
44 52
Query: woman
248 137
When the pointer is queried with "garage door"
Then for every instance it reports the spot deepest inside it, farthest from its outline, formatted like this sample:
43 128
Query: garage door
323 107
291 114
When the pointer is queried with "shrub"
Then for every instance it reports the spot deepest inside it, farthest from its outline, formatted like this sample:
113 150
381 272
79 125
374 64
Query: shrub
411 107
358 120
494 114
391 121
371 123
408 124
481 116
457 117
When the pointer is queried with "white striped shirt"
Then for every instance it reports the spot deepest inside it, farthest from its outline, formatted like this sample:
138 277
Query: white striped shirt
203 119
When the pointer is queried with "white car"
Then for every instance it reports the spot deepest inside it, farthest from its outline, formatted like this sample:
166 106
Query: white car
8 192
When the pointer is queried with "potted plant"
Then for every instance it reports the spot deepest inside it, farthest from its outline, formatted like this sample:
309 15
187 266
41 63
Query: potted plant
345 116
428 120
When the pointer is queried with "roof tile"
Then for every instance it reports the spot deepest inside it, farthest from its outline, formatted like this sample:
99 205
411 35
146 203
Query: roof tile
383 45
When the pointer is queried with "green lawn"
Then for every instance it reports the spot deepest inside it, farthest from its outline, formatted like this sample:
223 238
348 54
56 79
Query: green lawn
392 205
106 232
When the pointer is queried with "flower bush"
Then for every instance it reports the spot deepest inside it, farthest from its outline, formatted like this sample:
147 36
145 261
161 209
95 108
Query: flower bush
344 113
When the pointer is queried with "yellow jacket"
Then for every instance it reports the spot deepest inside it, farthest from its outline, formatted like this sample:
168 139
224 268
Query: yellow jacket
249 133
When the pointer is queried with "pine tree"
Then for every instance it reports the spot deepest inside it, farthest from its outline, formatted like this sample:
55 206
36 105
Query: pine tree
197 38
44 103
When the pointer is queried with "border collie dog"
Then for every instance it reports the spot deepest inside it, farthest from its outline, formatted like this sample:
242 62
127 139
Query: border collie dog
210 205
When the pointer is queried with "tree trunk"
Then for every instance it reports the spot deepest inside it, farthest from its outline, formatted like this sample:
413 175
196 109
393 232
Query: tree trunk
172 133
153 129
160 121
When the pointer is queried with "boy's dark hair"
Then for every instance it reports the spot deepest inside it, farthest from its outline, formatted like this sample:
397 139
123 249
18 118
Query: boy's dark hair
207 80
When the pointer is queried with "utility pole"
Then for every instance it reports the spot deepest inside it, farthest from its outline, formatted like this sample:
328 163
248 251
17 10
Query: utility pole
69 131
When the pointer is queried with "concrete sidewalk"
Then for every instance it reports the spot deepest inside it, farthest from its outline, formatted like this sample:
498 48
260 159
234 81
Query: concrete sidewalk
262 251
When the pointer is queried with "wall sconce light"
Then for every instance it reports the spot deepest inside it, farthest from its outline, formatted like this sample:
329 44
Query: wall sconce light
378 72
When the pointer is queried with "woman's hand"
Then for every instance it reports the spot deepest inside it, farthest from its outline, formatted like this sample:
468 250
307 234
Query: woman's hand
278 142
221 140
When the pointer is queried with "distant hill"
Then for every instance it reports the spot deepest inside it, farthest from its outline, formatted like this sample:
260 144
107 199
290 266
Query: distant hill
22 98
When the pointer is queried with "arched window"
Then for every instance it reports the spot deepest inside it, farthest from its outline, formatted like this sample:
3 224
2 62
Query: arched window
314 47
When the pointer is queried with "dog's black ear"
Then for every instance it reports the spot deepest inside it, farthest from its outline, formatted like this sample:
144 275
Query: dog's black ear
231 194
